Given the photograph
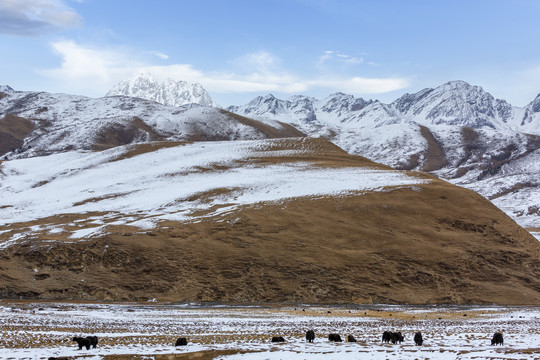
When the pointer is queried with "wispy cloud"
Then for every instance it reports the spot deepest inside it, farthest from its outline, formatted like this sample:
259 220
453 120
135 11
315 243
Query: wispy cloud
161 55
35 17
261 72
336 56
360 85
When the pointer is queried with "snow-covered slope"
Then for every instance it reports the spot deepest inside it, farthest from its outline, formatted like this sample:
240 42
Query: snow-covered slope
60 122
144 189
530 121
170 92
458 131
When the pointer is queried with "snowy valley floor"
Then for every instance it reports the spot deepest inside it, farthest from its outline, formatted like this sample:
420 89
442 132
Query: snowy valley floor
135 331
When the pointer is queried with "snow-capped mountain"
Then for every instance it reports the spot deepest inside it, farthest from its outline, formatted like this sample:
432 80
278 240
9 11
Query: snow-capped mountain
170 92
39 123
5 89
457 131
454 103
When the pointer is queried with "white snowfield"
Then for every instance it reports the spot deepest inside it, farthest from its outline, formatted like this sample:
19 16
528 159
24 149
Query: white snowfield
145 189
42 330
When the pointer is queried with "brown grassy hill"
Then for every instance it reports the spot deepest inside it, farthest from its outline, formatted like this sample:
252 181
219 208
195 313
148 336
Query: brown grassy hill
428 243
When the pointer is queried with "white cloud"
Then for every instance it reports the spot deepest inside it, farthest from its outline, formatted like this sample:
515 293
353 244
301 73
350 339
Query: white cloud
360 85
336 56
85 63
35 17
161 55
94 71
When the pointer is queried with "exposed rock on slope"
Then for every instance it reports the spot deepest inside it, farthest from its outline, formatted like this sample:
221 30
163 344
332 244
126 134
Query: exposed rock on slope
261 221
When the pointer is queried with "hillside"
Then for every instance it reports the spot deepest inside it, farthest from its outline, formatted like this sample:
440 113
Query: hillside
456 131
285 220
39 123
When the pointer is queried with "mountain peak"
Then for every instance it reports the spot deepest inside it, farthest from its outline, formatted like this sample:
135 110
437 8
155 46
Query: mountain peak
6 89
170 92
536 104
457 84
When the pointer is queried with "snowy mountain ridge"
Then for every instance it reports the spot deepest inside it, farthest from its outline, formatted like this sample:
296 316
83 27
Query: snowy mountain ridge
457 131
172 93
39 123
453 103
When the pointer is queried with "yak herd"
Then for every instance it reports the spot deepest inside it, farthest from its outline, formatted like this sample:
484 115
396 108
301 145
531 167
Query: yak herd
387 337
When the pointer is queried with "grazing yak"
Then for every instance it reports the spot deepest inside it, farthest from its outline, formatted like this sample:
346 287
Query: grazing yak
82 341
93 341
334 338
310 336
418 339
350 338
386 337
278 339
181 342
397 337
497 339
86 342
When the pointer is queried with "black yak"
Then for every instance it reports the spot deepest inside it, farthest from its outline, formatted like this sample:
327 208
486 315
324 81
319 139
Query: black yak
310 336
181 342
334 337
93 341
386 336
497 339
82 342
350 338
397 337
278 339
418 339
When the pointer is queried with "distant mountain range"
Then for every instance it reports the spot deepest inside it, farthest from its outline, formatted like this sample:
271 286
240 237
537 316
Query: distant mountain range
172 93
39 123
456 131
455 103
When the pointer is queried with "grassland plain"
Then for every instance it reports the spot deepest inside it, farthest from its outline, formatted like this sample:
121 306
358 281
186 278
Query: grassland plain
30 330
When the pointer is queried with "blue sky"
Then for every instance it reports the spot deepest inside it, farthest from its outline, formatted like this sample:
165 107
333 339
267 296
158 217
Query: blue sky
238 49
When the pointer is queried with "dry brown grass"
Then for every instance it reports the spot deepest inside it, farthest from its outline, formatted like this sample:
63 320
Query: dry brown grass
13 130
271 132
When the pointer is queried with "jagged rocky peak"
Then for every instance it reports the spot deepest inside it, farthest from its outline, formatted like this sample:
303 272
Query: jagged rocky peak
340 102
170 92
536 104
6 89
404 103
455 103
268 104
